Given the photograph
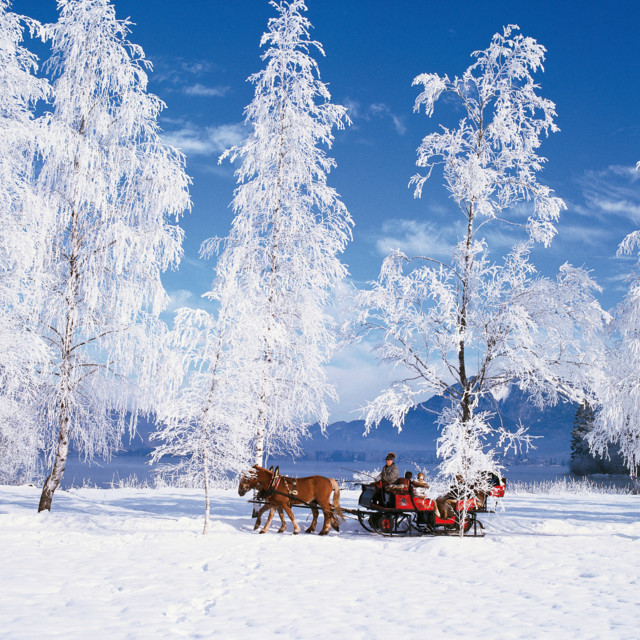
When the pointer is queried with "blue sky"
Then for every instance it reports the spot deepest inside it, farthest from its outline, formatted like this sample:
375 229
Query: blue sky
203 51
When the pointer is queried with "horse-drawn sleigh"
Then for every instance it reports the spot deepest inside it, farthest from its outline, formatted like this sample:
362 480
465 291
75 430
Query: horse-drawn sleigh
398 510
401 511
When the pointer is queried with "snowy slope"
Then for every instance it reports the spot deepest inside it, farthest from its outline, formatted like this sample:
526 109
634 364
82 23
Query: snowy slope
133 564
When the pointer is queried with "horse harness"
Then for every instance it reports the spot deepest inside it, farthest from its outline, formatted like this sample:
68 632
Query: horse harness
290 491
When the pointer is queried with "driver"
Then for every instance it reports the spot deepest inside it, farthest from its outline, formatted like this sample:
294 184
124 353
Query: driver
389 473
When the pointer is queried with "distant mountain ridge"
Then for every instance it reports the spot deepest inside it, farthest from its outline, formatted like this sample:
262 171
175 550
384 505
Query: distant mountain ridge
345 441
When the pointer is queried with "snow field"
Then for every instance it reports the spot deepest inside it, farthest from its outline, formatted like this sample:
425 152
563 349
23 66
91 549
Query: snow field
132 563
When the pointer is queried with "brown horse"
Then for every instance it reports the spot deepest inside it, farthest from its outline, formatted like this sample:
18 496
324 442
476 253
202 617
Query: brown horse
258 513
280 492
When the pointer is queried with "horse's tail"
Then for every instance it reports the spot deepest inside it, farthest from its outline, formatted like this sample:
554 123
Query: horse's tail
336 500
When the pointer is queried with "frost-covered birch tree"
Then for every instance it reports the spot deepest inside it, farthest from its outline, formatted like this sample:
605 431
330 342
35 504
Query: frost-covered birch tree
20 249
112 186
280 262
470 327
205 418
618 391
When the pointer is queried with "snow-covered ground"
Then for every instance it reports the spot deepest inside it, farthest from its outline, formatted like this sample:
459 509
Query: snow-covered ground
132 563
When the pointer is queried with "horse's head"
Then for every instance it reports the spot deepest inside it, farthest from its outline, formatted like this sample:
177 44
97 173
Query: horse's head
256 478
248 481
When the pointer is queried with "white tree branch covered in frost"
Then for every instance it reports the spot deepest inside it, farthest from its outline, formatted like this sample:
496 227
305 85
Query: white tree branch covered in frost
205 419
618 417
470 328
111 186
490 161
279 264
21 247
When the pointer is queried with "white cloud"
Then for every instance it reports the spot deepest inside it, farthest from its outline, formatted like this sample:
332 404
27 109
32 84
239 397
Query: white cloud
226 136
625 208
354 371
179 298
205 141
176 71
416 238
196 67
381 110
198 264
353 108
612 191
398 123
377 110
358 379
589 236
204 91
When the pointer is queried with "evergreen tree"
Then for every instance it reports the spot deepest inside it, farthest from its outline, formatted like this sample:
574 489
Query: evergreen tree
582 461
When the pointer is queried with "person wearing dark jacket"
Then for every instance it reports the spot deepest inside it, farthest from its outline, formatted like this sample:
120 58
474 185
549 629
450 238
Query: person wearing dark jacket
389 473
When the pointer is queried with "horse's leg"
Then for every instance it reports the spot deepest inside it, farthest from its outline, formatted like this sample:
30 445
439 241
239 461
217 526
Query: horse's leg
267 524
336 511
283 526
314 511
259 517
296 528
331 512
328 516
326 527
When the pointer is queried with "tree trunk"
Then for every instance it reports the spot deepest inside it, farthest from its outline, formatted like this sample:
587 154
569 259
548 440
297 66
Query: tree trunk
271 314
207 500
259 457
66 369
55 477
